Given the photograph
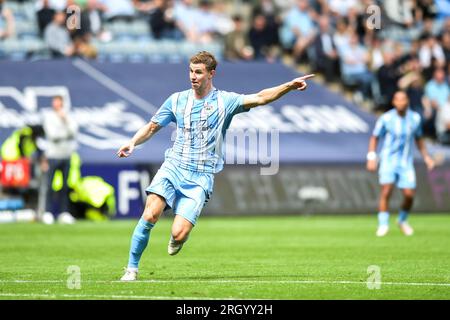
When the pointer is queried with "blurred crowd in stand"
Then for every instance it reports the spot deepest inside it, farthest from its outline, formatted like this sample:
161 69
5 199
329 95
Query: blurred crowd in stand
371 47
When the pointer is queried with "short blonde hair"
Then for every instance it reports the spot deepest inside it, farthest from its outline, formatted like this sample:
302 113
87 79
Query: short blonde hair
206 58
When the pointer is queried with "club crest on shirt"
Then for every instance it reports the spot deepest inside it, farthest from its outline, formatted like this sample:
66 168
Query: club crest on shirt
208 107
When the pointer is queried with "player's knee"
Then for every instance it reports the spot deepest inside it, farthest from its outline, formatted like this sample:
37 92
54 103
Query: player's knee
153 209
180 233
150 216
386 193
409 195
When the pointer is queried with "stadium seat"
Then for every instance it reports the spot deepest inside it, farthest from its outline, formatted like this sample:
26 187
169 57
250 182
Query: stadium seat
117 57
153 52
26 27
139 28
136 58
19 17
17 56
144 38
187 49
19 49
136 28
124 38
28 36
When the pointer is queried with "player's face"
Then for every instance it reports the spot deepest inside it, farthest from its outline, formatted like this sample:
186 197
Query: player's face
60 18
400 101
57 103
199 76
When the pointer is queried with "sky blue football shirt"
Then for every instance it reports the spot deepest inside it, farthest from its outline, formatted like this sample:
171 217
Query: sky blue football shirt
201 126
399 135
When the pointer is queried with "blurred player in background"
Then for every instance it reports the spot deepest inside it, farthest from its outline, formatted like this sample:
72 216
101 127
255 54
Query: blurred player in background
399 127
185 180
60 132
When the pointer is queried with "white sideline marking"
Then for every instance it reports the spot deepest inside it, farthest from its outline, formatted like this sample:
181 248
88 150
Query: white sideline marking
101 296
430 284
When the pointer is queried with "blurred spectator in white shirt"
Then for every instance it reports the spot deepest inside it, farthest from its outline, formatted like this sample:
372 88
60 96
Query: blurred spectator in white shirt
342 8
298 30
118 10
57 37
57 5
94 10
223 22
205 22
400 12
341 36
437 94
429 49
354 65
185 14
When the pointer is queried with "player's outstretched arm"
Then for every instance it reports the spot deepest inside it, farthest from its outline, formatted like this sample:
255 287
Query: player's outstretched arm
372 154
142 135
271 94
423 151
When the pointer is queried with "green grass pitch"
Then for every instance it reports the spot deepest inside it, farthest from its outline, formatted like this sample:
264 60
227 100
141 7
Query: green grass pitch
318 257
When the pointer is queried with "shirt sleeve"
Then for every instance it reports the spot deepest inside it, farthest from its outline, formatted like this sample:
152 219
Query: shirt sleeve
380 128
234 103
165 114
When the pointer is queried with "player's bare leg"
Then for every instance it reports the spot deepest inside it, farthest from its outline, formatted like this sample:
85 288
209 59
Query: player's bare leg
154 207
408 199
181 228
383 206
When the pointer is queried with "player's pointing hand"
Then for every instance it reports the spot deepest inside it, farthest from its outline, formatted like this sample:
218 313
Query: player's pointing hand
125 150
300 82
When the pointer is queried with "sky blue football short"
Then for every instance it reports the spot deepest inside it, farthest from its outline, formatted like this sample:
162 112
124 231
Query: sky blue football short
404 178
185 191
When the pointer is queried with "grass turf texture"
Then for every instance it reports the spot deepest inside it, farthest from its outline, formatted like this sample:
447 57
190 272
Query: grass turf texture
324 257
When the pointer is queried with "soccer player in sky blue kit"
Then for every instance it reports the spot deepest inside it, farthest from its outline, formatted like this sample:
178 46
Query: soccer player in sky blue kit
185 180
399 127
